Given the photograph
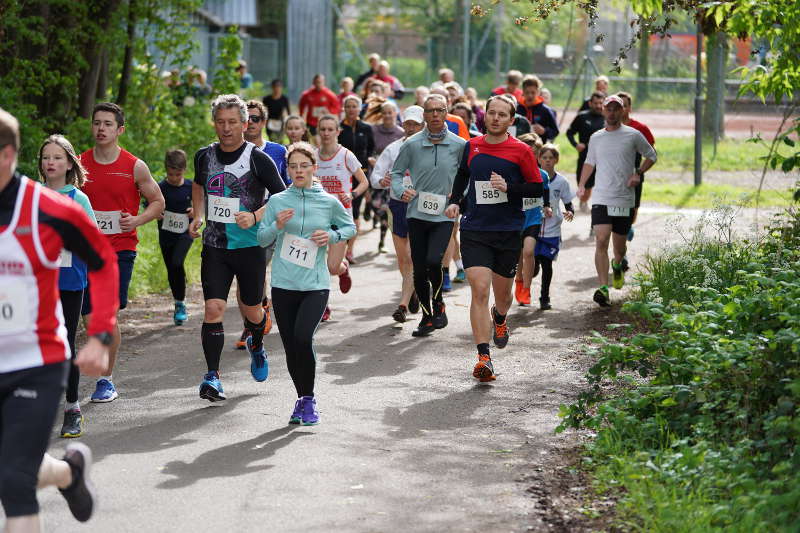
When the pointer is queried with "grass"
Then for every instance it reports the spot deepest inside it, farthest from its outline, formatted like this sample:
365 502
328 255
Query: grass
149 273
707 195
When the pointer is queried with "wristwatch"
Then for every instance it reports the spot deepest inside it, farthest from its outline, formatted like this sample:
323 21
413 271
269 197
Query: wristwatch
104 337
639 173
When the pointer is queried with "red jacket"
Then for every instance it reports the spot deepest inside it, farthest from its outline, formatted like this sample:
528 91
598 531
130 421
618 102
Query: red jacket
317 102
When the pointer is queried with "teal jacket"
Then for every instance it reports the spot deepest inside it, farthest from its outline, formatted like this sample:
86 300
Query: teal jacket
432 168
313 209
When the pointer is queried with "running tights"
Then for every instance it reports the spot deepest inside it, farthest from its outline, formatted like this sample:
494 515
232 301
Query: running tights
174 251
547 275
298 313
428 241
71 305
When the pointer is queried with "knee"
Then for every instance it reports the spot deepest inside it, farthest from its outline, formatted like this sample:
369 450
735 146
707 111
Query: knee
214 309
480 296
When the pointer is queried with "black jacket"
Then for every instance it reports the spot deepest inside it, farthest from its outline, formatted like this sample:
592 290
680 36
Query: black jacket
542 115
358 140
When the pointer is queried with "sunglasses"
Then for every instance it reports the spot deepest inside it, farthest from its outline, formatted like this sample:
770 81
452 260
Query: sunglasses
255 119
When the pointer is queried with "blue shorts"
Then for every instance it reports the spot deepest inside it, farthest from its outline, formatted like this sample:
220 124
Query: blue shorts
125 259
399 221
547 247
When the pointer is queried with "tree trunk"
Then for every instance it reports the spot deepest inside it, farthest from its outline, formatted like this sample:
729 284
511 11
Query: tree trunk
102 76
127 60
642 88
717 47
104 14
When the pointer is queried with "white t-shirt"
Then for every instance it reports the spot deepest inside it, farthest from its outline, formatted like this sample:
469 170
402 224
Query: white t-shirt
613 154
384 164
560 191
335 173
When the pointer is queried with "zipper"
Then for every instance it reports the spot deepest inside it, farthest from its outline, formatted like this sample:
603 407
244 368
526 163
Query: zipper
435 154
303 217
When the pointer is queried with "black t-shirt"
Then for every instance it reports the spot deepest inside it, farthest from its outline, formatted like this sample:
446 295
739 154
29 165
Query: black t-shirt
264 169
275 107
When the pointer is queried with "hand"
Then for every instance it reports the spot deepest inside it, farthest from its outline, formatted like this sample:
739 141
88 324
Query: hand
320 237
408 195
634 180
538 129
190 212
548 212
580 147
568 216
92 359
283 217
581 192
194 228
386 180
128 222
498 182
159 216
452 211
245 219
345 198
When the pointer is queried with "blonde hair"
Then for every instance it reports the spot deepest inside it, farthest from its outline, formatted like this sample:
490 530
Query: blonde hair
302 121
77 174
532 140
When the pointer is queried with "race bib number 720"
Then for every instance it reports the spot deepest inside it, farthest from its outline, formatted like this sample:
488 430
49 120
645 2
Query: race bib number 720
221 209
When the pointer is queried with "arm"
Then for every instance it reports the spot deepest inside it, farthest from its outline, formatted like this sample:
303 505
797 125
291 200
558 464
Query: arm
343 219
382 166
533 185
152 194
549 123
585 173
267 228
462 179
399 168
571 131
363 184
198 208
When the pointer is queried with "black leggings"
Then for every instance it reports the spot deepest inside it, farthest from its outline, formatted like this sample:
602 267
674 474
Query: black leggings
428 241
174 251
298 313
71 305
547 275
28 404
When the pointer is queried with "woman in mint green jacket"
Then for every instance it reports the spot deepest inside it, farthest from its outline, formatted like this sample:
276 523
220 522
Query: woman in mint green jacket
302 221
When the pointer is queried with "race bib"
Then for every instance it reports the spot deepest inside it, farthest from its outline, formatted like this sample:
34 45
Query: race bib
15 307
486 194
431 204
319 111
618 211
530 203
108 221
512 130
221 209
65 258
274 124
299 251
175 222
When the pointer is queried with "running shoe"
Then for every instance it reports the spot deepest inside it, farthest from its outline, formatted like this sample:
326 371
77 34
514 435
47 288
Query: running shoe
180 315
484 370
211 388
80 494
297 414
524 297
461 276
518 288
601 296
584 207
446 285
345 281
624 264
617 275
310 416
268 323
501 333
400 313
73 425
381 248
104 392
544 304
631 233
413 304
326 315
425 327
241 344
439 316
259 366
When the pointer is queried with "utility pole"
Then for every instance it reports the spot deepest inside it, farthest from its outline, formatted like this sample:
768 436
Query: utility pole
698 111
465 44
498 40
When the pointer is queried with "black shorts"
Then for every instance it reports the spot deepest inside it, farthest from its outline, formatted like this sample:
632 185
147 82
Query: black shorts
498 250
531 231
218 266
30 400
579 171
125 261
619 225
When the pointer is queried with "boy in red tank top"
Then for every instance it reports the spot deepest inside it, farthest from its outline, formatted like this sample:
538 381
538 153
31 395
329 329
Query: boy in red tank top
117 180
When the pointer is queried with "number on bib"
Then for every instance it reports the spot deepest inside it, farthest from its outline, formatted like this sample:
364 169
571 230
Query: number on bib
15 307
108 221
531 203
274 124
618 211
221 209
486 194
299 251
431 204
175 222
65 258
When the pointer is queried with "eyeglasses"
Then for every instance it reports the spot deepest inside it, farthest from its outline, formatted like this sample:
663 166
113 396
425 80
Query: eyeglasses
439 110
255 118
304 166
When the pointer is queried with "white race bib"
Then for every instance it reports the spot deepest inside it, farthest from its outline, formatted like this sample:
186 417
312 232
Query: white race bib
431 204
486 194
65 258
512 130
175 222
319 111
530 203
221 209
274 124
299 251
15 307
618 211
108 221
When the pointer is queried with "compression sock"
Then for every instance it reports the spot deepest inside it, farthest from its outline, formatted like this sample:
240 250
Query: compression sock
483 348
257 331
72 406
212 335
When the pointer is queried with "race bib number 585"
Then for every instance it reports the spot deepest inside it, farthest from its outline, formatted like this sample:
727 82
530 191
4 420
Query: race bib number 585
486 194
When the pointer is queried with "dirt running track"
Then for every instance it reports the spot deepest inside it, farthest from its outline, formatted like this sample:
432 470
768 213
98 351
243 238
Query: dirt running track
408 440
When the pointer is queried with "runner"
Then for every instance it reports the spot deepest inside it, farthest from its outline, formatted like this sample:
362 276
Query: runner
61 171
277 106
453 122
384 134
446 76
346 86
513 79
396 89
317 101
232 177
117 181
336 168
296 129
500 171
600 86
373 60
585 124
539 114
431 158
173 226
303 221
381 179
612 151
35 225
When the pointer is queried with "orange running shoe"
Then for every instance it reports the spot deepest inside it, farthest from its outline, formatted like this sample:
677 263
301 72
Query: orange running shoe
525 297
484 371
268 323
518 290
241 344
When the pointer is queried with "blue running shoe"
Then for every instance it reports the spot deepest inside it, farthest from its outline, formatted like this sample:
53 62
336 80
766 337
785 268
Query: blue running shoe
461 276
180 315
297 414
104 392
310 413
446 285
211 388
259 366
631 233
